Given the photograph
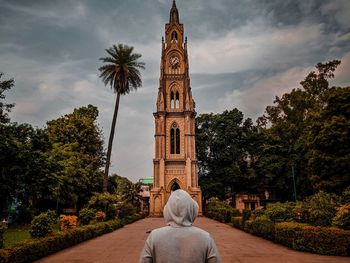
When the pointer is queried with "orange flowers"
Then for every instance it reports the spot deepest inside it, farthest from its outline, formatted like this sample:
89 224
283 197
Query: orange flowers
68 222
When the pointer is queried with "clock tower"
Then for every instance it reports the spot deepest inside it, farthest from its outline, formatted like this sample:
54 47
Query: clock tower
175 163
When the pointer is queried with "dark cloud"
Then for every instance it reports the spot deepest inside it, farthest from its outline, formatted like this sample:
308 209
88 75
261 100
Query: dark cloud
242 54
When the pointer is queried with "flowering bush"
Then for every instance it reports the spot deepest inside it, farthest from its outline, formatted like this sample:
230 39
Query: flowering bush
100 216
68 222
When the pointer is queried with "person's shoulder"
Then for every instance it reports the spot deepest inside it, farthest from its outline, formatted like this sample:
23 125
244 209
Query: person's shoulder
160 231
200 231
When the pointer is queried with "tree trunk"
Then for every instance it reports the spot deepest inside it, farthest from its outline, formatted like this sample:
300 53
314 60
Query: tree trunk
110 143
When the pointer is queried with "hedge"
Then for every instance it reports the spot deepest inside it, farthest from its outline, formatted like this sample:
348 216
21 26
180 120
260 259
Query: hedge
303 237
321 240
34 249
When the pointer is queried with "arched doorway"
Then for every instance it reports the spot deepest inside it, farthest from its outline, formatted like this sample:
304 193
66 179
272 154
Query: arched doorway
175 187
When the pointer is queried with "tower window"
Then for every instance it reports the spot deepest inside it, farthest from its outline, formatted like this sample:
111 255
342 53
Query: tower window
177 100
174 36
174 139
172 100
177 142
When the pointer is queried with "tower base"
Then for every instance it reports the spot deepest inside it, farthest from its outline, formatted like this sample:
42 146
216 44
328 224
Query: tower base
159 197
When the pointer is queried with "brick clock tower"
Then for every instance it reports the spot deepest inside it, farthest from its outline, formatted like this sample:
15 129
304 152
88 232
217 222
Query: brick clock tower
175 163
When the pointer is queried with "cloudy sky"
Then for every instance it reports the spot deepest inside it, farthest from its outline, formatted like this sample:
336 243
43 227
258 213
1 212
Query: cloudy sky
242 54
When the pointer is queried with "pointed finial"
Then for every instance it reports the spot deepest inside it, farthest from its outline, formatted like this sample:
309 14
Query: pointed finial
174 14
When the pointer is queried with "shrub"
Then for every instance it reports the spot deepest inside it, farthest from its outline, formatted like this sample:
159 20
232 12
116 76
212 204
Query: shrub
247 225
125 209
345 196
280 211
68 222
263 226
104 202
342 217
258 212
41 225
220 211
3 227
237 222
246 214
86 215
322 240
321 208
100 216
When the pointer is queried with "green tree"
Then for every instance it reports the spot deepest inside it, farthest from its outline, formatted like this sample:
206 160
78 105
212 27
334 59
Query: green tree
121 72
5 107
77 147
304 128
225 151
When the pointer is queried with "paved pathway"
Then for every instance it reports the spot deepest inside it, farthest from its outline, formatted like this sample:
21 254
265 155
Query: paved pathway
124 246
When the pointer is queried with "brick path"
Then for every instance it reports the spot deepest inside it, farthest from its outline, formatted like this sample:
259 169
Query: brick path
124 246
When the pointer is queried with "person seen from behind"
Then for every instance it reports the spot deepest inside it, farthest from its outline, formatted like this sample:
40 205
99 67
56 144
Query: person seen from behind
179 241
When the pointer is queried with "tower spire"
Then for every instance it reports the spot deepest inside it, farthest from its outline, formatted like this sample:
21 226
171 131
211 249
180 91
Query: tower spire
174 14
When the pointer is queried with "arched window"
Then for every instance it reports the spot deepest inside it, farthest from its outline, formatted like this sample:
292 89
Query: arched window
177 100
172 100
174 36
174 139
177 142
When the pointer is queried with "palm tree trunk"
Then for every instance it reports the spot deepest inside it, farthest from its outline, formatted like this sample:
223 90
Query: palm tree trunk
110 143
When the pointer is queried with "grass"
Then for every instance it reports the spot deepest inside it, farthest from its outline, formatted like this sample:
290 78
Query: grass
17 233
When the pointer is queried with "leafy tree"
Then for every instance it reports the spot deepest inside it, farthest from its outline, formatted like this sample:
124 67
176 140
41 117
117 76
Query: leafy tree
121 72
305 126
5 107
225 153
77 148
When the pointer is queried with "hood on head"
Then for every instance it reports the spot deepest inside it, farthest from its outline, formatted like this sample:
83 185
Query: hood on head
181 209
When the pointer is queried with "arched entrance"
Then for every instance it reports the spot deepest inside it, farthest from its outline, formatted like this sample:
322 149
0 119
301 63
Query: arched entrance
175 186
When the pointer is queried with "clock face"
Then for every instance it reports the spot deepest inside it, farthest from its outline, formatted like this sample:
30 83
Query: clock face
174 61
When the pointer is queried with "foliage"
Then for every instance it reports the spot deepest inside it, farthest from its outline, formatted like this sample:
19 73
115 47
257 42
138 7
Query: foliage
280 211
5 107
258 212
77 148
32 250
307 130
41 225
237 222
121 71
246 214
342 217
86 216
321 240
68 222
321 208
345 196
100 216
263 226
124 189
104 202
220 211
224 143
3 227
125 209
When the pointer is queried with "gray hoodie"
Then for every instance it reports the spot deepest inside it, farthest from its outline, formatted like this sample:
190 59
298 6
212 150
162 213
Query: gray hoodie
179 241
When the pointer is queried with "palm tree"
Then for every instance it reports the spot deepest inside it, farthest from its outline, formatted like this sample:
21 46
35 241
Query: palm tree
121 72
